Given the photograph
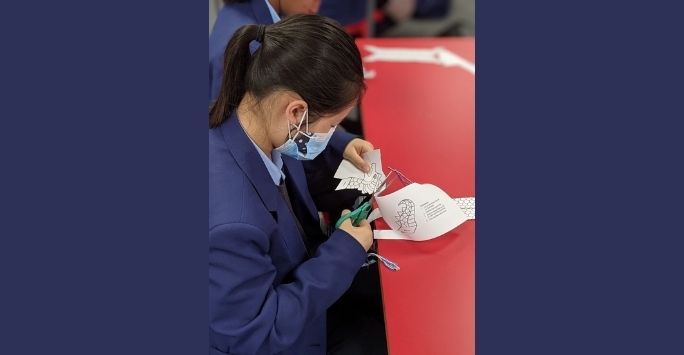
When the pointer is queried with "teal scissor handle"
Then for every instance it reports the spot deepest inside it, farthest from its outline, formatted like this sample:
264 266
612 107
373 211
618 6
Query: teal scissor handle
356 216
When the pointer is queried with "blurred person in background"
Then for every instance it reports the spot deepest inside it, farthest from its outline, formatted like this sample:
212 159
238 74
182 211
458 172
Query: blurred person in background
235 14
399 11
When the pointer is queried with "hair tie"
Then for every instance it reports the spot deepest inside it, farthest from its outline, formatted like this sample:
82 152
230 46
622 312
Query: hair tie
261 31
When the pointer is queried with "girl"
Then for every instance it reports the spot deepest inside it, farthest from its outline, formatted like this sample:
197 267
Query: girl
272 272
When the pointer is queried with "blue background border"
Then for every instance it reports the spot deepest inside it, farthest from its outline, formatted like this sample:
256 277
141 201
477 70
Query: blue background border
104 153
579 173
104 185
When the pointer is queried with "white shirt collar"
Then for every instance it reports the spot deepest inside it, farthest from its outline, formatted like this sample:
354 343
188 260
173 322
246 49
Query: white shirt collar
274 14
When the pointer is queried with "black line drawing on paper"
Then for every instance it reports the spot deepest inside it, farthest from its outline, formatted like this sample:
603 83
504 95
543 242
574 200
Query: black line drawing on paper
467 205
368 184
406 216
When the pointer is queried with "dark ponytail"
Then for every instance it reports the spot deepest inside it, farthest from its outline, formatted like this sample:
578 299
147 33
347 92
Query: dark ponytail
235 66
307 54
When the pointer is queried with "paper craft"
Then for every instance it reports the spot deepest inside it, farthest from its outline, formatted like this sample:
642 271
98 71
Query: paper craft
418 212
353 178
375 214
467 205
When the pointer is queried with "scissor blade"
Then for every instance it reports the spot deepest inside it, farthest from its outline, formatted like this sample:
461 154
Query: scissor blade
384 183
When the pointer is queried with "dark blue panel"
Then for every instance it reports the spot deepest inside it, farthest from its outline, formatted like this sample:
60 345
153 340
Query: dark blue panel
104 178
579 173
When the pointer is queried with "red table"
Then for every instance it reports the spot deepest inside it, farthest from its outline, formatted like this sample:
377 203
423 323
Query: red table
422 117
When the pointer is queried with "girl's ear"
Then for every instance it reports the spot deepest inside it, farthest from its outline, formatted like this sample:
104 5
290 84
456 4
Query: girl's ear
294 111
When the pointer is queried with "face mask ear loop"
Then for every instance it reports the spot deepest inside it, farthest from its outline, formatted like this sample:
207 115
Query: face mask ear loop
306 114
289 130
298 126
301 120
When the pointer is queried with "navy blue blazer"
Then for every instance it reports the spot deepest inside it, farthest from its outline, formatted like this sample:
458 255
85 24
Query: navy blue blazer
228 20
266 295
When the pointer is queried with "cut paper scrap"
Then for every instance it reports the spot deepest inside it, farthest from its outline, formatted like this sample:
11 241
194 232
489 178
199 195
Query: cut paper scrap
437 55
467 205
418 212
390 234
354 178
375 214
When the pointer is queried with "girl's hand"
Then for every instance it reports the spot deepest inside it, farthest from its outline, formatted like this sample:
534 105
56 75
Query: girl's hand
353 152
363 233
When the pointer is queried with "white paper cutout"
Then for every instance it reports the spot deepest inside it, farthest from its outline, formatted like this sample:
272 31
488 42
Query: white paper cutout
438 55
467 205
354 178
375 214
418 212
389 234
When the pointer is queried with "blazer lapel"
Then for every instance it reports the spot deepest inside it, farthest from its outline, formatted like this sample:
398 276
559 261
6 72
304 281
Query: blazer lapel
261 13
295 171
249 161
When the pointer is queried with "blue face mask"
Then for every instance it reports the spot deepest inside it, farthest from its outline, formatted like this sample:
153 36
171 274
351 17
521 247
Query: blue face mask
304 145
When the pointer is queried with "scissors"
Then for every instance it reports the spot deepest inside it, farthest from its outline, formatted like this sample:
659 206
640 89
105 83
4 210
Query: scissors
363 210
